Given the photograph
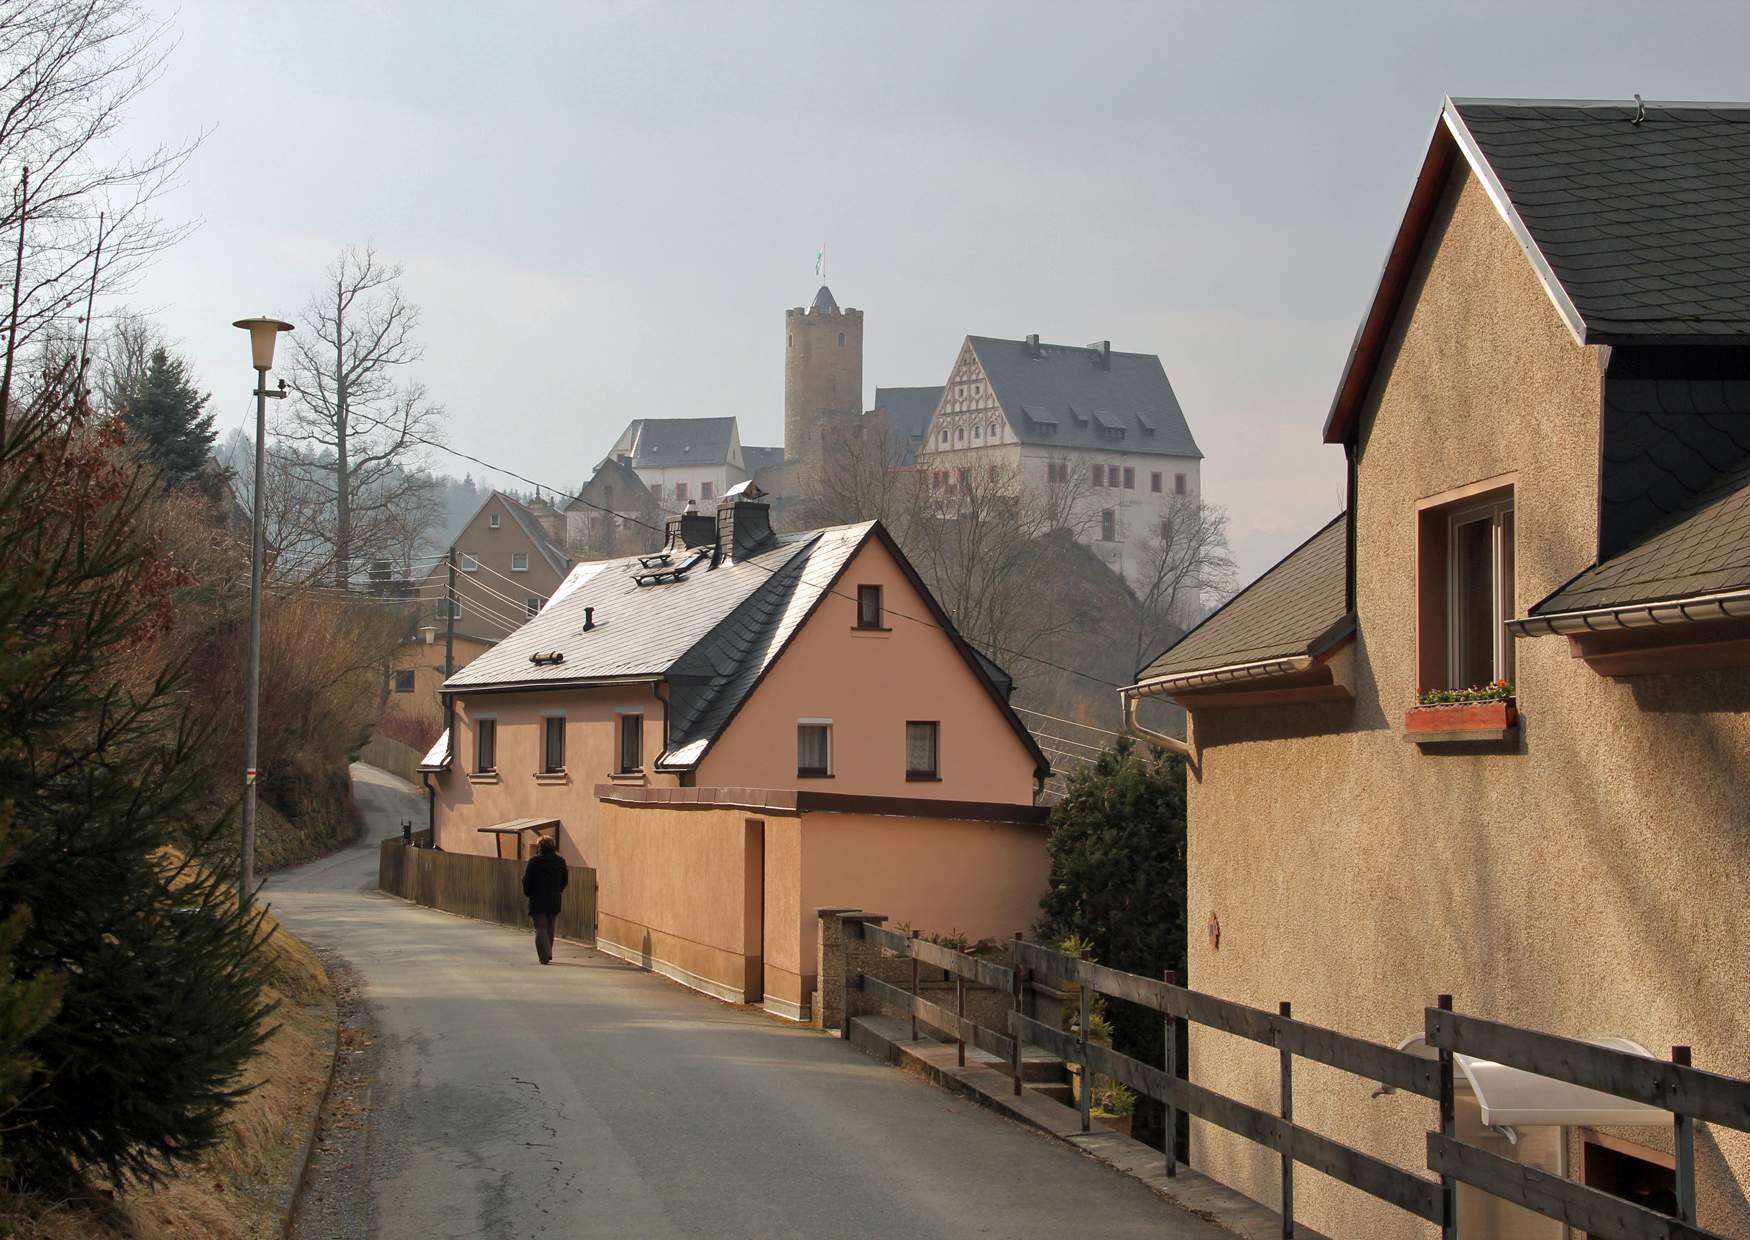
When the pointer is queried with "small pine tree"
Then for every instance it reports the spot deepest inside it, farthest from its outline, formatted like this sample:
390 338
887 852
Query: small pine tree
1118 882
158 970
168 423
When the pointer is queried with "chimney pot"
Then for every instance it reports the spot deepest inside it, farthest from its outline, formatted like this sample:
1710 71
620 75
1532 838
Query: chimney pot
588 619
1033 345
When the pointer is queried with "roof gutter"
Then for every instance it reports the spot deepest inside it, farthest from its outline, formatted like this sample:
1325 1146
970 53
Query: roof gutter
1135 728
1164 685
1733 604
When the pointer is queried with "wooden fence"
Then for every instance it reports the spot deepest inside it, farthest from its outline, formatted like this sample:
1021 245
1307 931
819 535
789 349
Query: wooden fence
485 888
1688 1093
388 754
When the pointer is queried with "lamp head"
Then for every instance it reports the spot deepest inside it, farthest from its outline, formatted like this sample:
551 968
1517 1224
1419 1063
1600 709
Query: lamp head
262 334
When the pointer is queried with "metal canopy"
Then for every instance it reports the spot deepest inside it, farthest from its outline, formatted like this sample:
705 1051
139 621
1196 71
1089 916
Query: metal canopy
1513 1098
518 825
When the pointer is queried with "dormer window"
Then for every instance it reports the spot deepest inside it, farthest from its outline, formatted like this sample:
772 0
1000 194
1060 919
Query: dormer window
1466 591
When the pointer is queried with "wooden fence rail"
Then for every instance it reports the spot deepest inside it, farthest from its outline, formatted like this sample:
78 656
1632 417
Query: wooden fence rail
485 888
1689 1093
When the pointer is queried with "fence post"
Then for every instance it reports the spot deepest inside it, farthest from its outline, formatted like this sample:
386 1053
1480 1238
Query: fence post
960 999
1171 1063
845 976
1019 988
1286 1010
1087 1076
1683 1130
914 990
1448 1128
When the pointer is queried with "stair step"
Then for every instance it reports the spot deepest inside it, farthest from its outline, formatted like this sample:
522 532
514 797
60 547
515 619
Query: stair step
1056 1091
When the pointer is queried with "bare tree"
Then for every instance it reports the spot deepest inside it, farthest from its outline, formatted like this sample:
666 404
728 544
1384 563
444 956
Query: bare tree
68 71
988 540
1185 566
358 431
860 475
123 357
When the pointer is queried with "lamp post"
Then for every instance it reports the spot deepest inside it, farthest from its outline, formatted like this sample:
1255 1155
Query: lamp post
263 332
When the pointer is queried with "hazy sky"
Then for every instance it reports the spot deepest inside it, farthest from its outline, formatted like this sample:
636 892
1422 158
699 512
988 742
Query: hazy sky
604 209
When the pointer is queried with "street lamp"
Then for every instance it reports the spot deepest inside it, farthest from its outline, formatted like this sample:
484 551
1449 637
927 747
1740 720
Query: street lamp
263 332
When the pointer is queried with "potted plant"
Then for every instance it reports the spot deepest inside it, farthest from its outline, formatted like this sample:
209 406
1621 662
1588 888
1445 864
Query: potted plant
1113 1107
1479 713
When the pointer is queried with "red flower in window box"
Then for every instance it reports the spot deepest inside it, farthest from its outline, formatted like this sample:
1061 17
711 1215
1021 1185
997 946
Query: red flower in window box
1487 720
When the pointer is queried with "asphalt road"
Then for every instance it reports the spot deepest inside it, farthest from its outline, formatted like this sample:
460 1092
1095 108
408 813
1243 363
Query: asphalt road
592 1099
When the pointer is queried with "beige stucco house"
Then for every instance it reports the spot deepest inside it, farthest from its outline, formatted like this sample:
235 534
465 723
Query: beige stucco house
738 729
1546 417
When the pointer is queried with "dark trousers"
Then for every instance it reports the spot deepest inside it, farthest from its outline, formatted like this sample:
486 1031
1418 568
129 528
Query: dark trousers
545 926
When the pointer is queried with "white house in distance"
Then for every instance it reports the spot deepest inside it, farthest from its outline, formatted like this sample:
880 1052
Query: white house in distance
1103 422
688 459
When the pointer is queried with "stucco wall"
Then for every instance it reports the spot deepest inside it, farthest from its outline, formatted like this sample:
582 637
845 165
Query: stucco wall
466 802
869 684
1589 882
981 878
427 661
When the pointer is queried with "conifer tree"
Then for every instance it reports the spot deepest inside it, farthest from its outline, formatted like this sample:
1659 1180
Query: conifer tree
168 422
103 890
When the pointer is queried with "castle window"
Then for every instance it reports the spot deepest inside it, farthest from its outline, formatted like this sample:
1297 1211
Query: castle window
1129 478
943 438
656 489
792 339
1178 484
959 432
706 491
680 491
841 340
1099 476
1108 525
1154 481
978 432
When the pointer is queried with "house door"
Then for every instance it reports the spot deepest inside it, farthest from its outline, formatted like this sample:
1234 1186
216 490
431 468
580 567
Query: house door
753 949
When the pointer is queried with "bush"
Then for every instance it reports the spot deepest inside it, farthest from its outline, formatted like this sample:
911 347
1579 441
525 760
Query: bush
159 969
1118 882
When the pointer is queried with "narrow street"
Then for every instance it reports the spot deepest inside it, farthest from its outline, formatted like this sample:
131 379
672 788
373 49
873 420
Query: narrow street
591 1099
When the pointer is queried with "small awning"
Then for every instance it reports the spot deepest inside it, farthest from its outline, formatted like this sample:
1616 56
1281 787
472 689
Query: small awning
1514 1098
517 826
438 757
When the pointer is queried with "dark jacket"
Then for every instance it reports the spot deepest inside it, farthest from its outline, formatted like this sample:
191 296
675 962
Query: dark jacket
543 881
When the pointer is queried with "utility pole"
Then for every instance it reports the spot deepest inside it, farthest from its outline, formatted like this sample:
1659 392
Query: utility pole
262 333
449 657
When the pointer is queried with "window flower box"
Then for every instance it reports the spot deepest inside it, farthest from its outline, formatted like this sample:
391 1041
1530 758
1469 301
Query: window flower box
1461 721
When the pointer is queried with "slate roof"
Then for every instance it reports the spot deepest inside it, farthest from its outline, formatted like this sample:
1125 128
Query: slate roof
630 492
909 410
1281 614
1067 387
1646 226
1704 549
824 302
755 459
653 443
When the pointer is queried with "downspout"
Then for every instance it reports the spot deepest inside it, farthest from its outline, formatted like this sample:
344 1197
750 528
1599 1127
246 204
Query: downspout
659 690
430 805
1184 748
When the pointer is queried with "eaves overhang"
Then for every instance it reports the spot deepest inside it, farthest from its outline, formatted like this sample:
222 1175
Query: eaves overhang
1732 604
1316 652
542 686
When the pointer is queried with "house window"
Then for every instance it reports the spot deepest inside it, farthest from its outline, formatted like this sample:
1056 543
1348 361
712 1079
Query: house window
553 748
1466 595
532 603
631 744
680 491
485 745
1129 478
1178 484
1154 481
656 489
455 610
492 521
1108 525
920 750
404 682
868 607
814 747
469 563
706 490
519 561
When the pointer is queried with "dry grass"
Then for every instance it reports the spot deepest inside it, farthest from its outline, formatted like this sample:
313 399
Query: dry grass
237 1190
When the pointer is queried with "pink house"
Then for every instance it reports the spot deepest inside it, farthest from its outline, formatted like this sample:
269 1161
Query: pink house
738 730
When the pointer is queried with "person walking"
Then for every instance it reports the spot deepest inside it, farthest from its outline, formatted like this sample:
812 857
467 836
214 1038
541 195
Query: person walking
543 881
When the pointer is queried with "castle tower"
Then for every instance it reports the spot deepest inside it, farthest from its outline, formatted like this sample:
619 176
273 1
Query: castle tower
823 372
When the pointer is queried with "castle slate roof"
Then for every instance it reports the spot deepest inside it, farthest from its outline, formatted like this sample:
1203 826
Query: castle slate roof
1066 397
1636 219
656 443
909 410
755 459
1288 611
823 301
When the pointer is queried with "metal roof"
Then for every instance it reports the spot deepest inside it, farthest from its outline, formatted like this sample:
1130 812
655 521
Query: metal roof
1281 614
1063 386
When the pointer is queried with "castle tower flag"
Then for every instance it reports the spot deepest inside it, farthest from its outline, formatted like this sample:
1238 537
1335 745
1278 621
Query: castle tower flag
823 372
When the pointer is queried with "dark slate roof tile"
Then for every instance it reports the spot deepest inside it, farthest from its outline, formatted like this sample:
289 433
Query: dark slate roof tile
909 410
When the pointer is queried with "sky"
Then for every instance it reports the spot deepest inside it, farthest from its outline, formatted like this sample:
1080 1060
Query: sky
603 210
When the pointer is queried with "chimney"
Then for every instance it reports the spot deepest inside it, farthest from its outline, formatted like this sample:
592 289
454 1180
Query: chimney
744 526
1033 349
588 619
1102 354
691 529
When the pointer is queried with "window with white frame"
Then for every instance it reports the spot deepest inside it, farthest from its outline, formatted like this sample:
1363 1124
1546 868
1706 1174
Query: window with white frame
921 749
814 747
469 563
1465 590
532 604
493 521
519 561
